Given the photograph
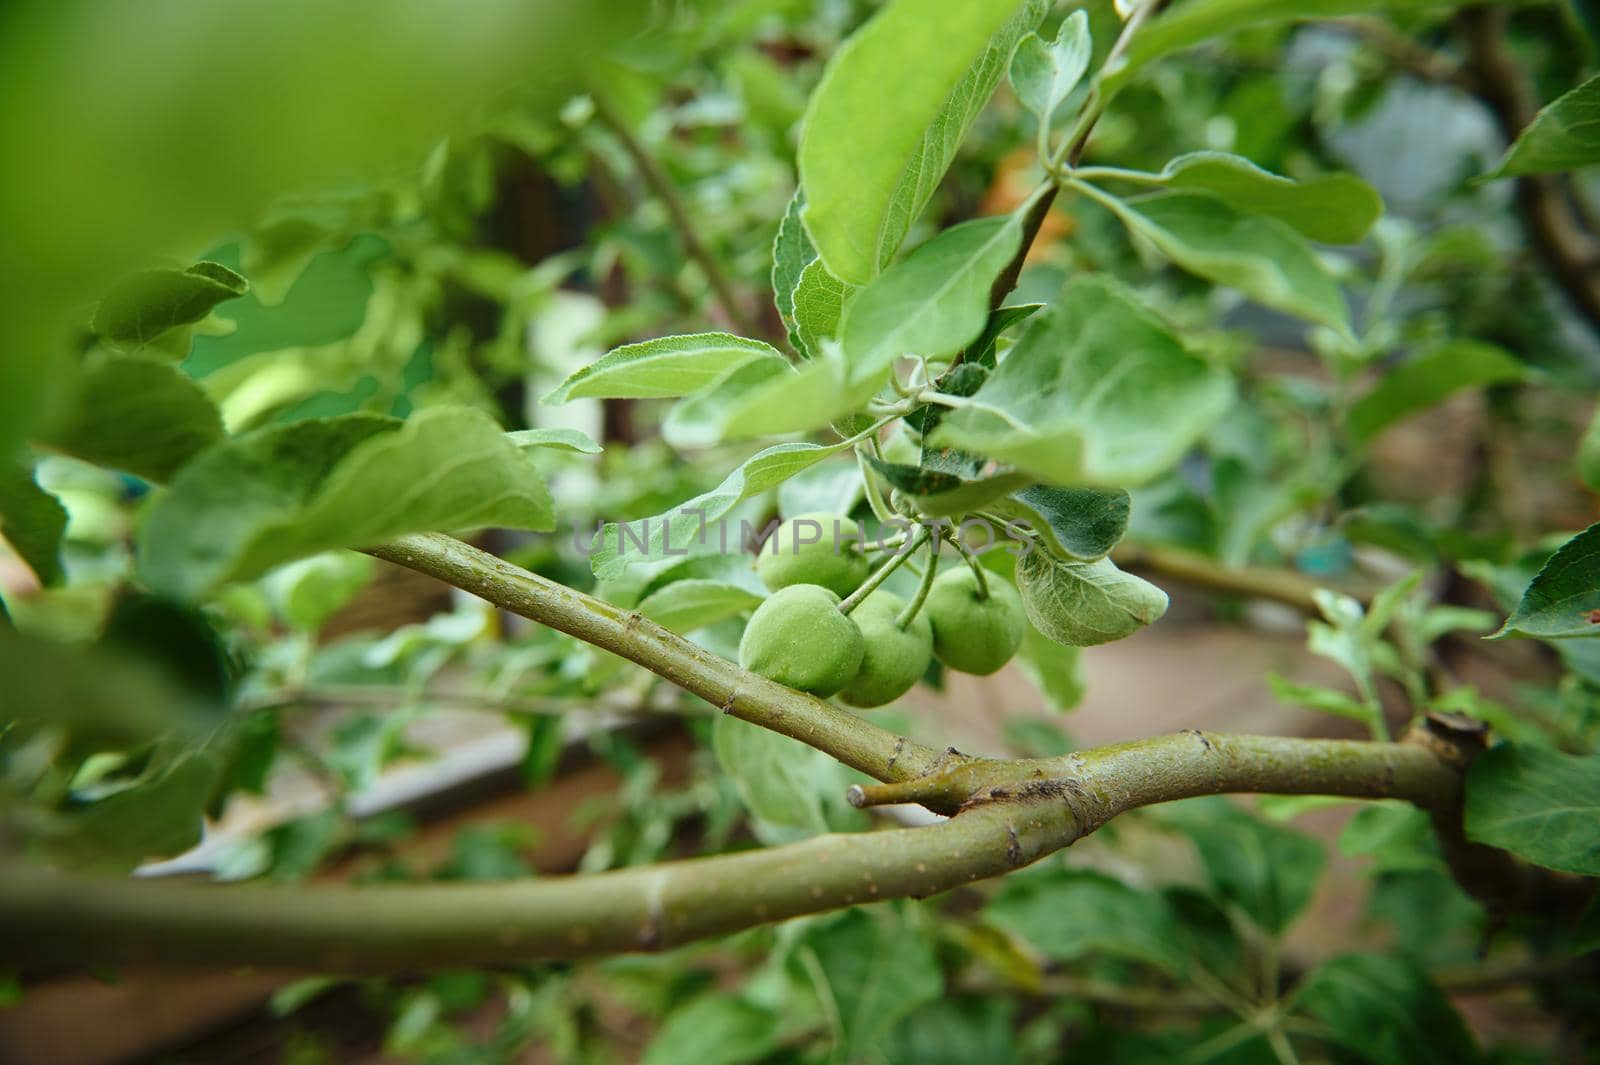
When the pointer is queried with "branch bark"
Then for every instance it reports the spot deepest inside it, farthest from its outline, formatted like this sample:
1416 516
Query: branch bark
55 918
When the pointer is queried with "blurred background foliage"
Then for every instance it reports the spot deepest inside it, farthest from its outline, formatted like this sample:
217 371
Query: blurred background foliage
463 203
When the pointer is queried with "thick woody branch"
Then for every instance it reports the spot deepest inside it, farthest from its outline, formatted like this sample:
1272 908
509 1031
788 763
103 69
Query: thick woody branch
49 918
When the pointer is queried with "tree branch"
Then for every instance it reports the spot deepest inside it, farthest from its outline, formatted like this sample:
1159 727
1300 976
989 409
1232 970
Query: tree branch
852 740
54 918
1191 567
664 190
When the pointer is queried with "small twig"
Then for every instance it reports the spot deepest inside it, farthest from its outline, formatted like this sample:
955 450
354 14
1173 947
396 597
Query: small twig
909 614
665 191
881 574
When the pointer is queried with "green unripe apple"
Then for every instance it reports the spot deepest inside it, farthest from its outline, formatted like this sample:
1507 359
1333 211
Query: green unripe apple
814 548
895 658
972 634
798 637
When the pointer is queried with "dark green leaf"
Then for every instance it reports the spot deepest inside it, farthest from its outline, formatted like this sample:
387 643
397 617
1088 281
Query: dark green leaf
1082 604
1387 1011
1261 257
138 415
1070 914
1563 601
140 309
1267 870
876 969
290 491
870 160
661 368
1427 380
1539 804
1077 524
32 521
158 816
1071 402
1563 136
982 351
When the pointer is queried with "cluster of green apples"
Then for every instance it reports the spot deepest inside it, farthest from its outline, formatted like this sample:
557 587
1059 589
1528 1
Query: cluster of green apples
875 653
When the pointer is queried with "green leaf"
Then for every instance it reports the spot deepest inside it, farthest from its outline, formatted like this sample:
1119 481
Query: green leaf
32 521
1082 604
714 1029
876 969
286 492
686 605
1589 453
670 534
1427 380
702 419
1386 1011
138 312
1068 914
1323 700
556 439
308 591
811 397
1563 601
981 352
1539 804
1044 74
158 816
1268 871
870 160
933 303
792 790
661 368
1077 524
1261 257
792 251
1055 669
819 303
1071 402
135 414
1563 136
1334 208
1188 24
940 494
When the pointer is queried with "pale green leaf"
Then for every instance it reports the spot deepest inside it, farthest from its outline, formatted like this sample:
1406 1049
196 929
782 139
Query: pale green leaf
140 309
870 159
1071 402
135 414
290 491
1082 604
672 533
1563 601
701 420
686 605
32 521
1045 73
818 307
1334 208
1563 136
1589 453
791 253
556 439
933 303
1323 700
714 1029
1427 380
664 367
1054 669
1539 804
1261 257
